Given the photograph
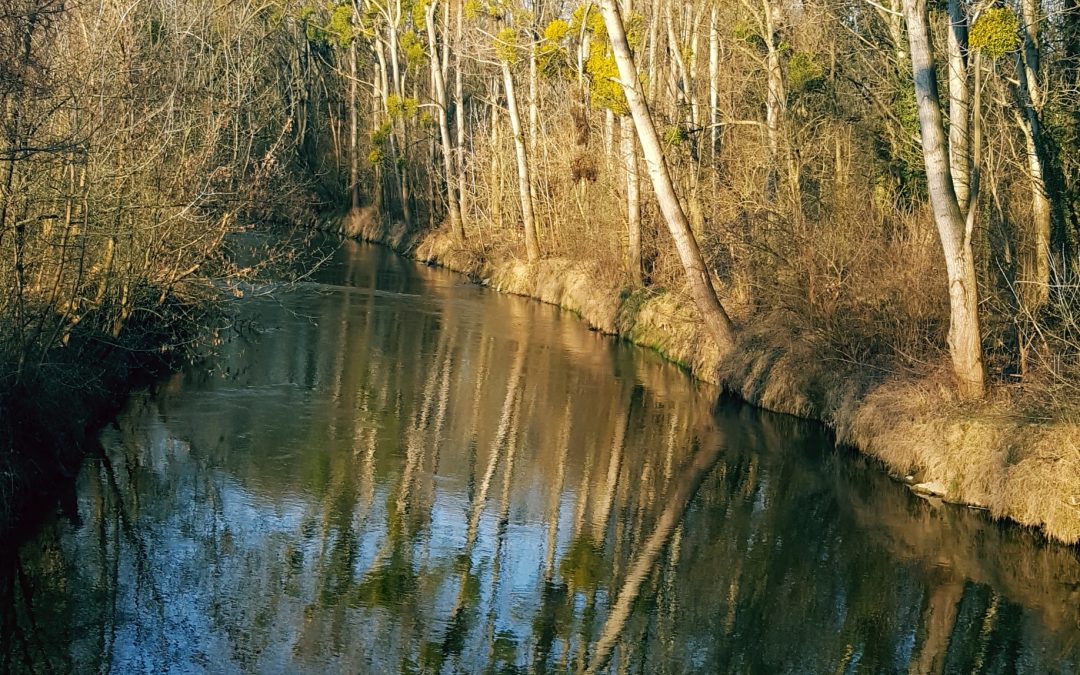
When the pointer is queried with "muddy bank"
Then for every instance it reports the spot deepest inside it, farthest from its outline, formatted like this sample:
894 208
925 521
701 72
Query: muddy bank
986 454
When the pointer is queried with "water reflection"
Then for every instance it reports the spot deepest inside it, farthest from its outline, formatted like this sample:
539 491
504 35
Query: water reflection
405 473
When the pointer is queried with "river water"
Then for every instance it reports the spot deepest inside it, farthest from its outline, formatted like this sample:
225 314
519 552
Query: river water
389 470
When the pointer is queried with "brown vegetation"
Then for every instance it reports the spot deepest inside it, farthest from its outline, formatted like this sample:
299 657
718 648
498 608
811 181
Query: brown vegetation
884 249
135 139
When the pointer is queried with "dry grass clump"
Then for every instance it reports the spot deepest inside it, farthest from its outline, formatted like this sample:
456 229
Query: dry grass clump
571 285
668 323
1043 485
988 453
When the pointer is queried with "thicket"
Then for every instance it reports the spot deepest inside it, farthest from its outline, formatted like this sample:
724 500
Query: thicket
793 136
135 140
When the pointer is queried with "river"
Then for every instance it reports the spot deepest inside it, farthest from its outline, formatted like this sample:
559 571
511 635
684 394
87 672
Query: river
387 469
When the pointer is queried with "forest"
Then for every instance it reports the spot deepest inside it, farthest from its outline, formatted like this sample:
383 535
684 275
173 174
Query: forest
888 190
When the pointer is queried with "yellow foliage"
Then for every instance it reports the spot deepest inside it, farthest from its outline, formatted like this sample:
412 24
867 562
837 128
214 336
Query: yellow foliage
506 46
556 31
589 15
996 32
398 107
606 90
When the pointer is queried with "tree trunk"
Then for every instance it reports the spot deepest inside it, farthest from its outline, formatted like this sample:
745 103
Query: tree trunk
456 222
965 344
534 94
714 90
354 150
716 319
959 96
532 246
628 145
459 108
1036 289
775 99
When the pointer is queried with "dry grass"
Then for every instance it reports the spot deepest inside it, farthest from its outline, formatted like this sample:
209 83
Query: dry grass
988 454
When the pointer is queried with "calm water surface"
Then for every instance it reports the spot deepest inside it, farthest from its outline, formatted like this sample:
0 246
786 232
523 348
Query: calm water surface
405 473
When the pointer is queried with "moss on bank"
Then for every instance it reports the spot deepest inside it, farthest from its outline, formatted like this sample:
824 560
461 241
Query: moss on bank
988 454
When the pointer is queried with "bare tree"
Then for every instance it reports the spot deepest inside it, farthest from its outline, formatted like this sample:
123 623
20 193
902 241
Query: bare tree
697 273
954 230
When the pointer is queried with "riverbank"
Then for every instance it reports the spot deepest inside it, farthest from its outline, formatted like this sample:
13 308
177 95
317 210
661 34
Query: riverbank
992 454
50 417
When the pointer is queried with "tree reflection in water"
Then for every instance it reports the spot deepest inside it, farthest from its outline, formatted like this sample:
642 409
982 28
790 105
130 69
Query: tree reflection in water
404 473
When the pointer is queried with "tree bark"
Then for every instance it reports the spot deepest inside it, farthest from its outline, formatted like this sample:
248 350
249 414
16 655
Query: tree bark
714 89
775 100
354 149
1036 289
716 319
965 346
628 144
452 206
532 245
959 97
459 107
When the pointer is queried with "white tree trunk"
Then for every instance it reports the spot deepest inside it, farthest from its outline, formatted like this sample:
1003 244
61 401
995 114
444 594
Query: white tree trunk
532 245
712 312
1030 97
959 97
456 221
354 149
965 345
628 145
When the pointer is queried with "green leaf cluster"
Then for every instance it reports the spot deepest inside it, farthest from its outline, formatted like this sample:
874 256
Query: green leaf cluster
552 54
996 32
336 29
744 32
803 72
589 15
605 89
491 9
413 50
676 135
381 136
398 107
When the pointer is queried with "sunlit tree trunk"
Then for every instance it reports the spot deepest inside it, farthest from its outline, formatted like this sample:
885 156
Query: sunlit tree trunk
714 89
452 205
1031 98
532 245
394 56
628 144
965 346
354 149
700 281
959 103
775 97
534 95
459 107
